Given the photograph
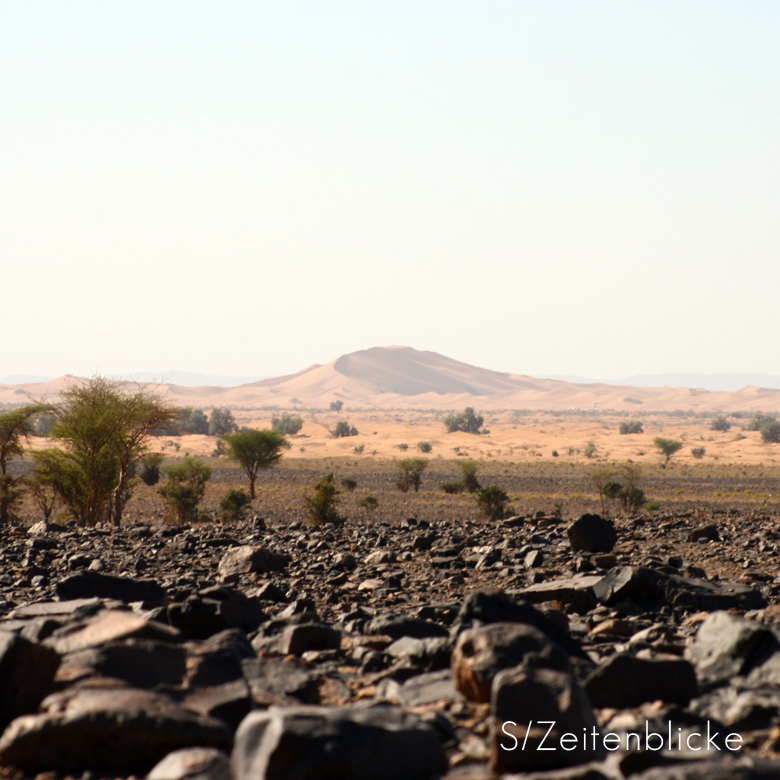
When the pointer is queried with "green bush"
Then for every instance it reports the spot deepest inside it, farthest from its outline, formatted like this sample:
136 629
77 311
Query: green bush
192 421
770 432
468 469
342 429
403 447
336 406
322 506
467 421
720 423
453 488
492 502
221 422
358 450
369 503
758 421
349 484
698 452
234 504
150 469
286 424
424 447
633 426
184 488
590 450
410 475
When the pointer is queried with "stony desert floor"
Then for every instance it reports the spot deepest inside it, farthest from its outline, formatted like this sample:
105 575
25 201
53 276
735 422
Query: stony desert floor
420 623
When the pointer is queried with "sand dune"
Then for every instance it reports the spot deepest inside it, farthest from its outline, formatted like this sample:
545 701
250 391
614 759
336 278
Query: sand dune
406 378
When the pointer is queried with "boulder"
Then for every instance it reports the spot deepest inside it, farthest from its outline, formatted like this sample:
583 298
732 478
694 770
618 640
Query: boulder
727 646
575 592
106 729
481 653
248 559
485 607
92 584
27 672
624 681
592 533
213 610
521 699
321 743
106 626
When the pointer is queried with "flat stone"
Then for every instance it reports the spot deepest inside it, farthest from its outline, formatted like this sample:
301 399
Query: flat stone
92 584
574 592
108 625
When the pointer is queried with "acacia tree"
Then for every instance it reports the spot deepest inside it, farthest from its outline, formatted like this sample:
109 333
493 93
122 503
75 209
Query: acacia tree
410 473
255 450
667 447
467 421
15 428
104 431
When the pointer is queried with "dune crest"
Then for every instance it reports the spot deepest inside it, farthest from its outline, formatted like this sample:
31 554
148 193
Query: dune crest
404 377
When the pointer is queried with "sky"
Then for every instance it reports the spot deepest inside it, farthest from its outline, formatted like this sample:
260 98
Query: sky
248 188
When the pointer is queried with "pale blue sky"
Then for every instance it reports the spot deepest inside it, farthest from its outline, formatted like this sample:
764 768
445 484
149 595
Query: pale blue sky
246 188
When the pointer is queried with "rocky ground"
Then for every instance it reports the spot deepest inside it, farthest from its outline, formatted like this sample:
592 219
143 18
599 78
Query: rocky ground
407 649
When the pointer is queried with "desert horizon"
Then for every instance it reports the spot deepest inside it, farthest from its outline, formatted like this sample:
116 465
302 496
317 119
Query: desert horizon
392 378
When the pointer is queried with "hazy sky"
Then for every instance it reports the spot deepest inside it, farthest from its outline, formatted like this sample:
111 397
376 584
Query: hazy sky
247 188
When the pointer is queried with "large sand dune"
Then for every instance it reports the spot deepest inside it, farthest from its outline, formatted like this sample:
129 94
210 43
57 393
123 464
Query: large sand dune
402 377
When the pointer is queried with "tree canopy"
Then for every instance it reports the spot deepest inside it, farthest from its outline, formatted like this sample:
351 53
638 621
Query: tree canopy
254 450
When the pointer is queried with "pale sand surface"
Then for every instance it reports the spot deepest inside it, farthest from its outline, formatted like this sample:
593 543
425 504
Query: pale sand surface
525 440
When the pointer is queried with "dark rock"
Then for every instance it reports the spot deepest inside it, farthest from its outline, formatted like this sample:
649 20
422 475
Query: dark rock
485 607
26 675
420 690
529 694
141 663
429 654
652 589
592 533
278 681
91 584
270 592
534 559
624 681
704 532
380 743
108 625
213 610
727 646
106 729
229 702
575 592
396 627
296 640
481 653
742 768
